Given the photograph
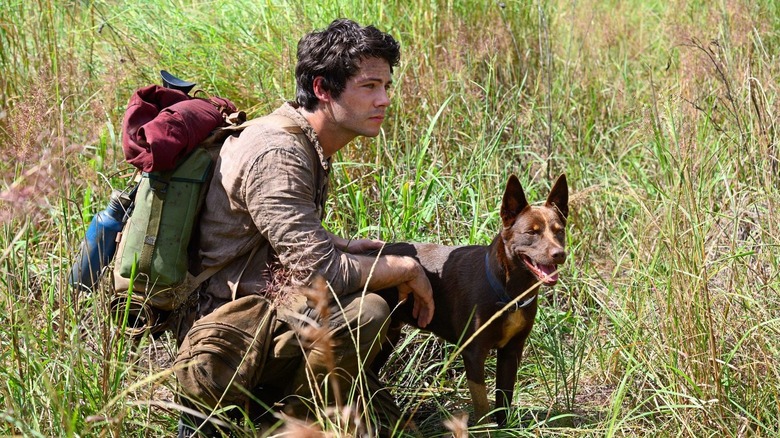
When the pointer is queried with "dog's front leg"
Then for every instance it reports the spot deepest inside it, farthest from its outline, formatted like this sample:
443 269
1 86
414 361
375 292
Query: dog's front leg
387 346
507 361
474 361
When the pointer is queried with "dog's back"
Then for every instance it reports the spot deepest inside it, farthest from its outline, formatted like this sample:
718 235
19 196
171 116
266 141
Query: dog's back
450 269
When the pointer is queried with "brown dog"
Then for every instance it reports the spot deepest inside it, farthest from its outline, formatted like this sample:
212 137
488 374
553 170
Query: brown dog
471 284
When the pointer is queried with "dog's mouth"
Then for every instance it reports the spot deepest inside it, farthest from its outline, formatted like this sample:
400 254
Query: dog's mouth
545 273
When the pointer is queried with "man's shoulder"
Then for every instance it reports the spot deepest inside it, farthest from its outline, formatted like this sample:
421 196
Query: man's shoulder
281 128
257 139
270 131
284 131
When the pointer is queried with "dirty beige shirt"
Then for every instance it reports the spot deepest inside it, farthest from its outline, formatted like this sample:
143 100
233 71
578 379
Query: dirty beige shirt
268 192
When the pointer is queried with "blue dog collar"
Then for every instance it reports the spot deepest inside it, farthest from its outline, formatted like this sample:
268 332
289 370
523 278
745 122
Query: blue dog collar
500 290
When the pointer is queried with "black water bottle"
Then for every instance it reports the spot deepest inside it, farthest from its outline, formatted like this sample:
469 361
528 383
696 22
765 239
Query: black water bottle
99 245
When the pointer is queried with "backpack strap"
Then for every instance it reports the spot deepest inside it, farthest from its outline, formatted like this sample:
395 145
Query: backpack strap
159 185
208 273
205 275
276 120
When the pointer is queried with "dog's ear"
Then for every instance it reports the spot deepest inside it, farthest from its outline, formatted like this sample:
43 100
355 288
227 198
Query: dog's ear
559 197
514 201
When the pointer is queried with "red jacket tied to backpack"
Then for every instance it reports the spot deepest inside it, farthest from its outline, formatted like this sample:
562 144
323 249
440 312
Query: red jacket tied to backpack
162 125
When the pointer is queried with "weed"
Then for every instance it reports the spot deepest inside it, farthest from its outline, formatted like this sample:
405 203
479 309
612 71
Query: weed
662 114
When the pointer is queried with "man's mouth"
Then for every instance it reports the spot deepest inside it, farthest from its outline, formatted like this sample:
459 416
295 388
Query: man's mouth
545 273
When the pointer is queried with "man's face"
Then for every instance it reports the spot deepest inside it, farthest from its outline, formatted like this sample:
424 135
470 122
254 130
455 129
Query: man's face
360 109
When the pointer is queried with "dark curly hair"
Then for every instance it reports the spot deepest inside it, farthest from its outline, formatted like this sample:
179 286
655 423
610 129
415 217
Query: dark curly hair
335 54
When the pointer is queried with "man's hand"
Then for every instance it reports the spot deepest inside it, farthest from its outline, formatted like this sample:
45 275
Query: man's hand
362 246
420 288
356 246
405 274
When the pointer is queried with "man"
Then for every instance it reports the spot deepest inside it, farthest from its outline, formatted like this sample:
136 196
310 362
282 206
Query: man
263 215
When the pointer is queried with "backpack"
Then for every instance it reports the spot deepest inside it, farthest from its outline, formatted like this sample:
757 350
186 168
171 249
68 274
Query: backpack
152 278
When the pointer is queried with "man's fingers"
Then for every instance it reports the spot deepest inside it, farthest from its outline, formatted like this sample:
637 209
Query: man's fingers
375 244
424 319
423 313
423 307
360 246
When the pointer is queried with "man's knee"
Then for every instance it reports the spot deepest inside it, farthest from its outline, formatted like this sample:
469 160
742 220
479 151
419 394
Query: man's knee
371 313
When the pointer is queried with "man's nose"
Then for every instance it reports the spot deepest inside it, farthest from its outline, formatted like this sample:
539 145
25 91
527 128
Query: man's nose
383 99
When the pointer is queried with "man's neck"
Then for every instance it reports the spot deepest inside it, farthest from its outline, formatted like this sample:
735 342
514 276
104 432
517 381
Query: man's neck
331 140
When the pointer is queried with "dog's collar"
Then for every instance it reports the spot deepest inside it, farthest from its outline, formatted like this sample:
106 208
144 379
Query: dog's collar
500 290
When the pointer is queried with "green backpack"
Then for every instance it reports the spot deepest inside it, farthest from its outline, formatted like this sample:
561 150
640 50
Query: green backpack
152 276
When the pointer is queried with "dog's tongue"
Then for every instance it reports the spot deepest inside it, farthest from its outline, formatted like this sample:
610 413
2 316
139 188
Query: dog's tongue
548 270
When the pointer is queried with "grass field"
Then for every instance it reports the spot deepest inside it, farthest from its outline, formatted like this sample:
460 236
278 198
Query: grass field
663 115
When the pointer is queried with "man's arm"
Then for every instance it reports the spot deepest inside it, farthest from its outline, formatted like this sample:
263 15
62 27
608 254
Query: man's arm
403 273
279 199
383 272
282 201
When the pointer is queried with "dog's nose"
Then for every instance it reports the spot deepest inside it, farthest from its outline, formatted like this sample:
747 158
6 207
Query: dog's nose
558 255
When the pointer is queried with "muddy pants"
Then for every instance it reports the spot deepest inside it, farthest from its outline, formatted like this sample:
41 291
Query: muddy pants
316 360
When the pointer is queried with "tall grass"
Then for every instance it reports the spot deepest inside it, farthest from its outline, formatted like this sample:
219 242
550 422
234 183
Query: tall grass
662 115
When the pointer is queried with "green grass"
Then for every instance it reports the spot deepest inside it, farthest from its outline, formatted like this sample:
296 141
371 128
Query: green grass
665 321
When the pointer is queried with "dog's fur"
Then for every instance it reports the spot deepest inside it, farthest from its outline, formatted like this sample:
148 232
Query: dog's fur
467 286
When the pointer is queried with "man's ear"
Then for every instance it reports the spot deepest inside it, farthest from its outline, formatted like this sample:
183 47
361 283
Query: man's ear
321 89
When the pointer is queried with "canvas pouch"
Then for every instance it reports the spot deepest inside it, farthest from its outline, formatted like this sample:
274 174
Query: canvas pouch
221 359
